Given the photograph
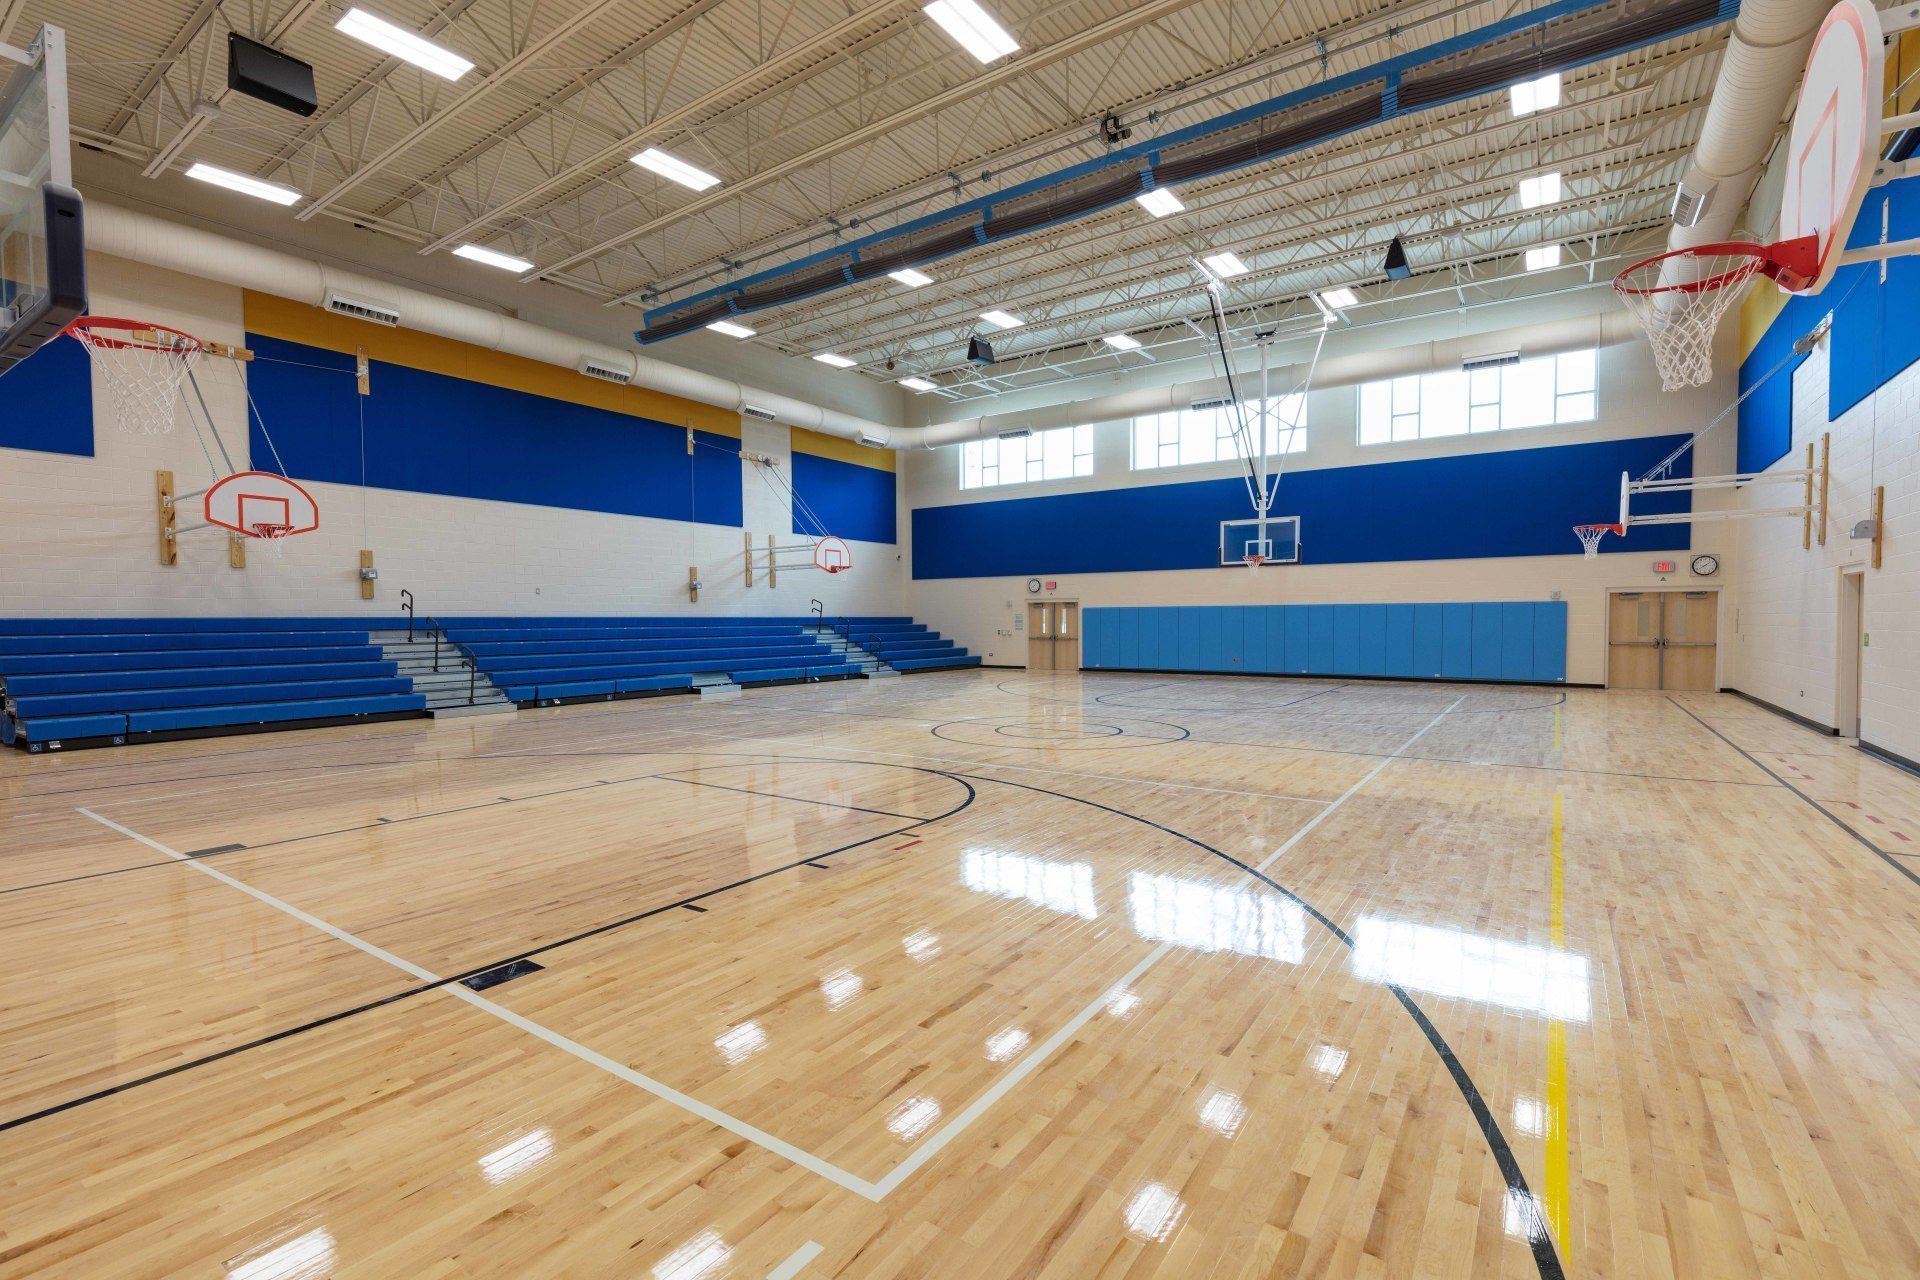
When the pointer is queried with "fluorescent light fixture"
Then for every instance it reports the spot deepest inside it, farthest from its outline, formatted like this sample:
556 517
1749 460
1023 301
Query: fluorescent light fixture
504 261
973 29
918 384
1544 257
243 184
1339 299
1226 265
1542 188
674 169
911 278
731 329
1159 202
1122 342
370 29
1001 319
1530 96
837 361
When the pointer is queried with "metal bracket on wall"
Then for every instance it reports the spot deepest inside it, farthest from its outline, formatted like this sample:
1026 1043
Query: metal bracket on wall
163 499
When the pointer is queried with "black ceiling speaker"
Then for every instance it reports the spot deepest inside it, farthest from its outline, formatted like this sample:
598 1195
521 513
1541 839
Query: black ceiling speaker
270 75
978 351
1395 263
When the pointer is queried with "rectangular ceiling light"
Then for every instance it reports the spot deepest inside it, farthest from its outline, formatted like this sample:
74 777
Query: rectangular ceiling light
918 384
1122 342
1159 202
243 184
1544 257
837 361
911 278
1541 189
1535 95
731 329
492 258
1001 319
1339 299
973 29
370 29
675 169
1225 265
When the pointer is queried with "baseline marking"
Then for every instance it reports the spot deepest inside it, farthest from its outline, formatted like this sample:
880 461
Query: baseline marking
712 1115
801 1257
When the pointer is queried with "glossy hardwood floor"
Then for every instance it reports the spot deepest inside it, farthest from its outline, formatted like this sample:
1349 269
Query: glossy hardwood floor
968 976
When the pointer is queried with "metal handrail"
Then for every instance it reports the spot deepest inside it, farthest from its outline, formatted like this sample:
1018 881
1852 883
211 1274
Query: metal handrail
466 659
406 602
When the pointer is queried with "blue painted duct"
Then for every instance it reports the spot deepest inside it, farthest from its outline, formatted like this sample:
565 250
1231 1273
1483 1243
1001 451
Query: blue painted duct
1554 38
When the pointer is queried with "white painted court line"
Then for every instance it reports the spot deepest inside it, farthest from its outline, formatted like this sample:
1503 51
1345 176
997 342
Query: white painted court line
801 1257
1027 1065
713 1115
916 1159
1346 795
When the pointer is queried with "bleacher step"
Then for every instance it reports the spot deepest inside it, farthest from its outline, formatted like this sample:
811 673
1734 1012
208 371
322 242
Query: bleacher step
726 691
501 707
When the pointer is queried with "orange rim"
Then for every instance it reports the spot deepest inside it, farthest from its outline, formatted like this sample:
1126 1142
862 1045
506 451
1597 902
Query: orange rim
113 333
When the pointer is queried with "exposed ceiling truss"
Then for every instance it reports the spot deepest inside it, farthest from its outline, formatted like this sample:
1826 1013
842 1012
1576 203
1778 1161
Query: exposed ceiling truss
828 119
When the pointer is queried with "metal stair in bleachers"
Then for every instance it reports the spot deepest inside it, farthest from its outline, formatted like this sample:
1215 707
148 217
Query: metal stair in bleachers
453 686
849 651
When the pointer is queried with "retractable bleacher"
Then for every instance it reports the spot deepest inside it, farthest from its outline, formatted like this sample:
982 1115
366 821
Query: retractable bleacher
73 682
906 645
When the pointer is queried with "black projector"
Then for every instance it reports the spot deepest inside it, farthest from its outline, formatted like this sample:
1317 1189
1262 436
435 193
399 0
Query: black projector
270 75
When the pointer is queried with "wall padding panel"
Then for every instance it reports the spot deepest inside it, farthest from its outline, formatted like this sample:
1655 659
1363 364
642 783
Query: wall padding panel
431 433
1497 640
850 500
46 401
1511 502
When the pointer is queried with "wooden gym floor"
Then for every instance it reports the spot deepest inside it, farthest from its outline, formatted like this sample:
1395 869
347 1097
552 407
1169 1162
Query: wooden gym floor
968 976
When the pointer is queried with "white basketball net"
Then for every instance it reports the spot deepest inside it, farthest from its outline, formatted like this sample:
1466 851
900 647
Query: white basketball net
142 369
269 540
1590 535
1679 299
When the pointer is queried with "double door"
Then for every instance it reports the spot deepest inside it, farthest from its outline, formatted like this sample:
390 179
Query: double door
1663 640
1053 635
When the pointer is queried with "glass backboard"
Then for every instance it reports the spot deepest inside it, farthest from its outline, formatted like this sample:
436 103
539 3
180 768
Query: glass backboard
42 261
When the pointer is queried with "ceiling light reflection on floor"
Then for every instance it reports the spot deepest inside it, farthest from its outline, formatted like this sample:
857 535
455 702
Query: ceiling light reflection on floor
1516 976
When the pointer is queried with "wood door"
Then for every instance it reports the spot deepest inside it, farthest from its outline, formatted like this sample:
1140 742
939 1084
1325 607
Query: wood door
1040 636
1633 640
1066 636
1689 640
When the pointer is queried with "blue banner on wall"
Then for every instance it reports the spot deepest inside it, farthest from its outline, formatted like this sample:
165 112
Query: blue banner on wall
431 433
46 401
846 499
1518 502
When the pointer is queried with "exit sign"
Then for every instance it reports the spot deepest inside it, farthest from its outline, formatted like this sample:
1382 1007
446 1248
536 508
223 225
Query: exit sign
1663 566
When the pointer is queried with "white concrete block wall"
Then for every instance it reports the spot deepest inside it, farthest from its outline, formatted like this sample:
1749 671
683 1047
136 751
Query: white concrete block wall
1787 617
980 612
77 535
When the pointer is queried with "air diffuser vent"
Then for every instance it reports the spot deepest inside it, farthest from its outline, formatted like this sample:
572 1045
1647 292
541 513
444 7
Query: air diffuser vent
371 312
605 372
755 411
1020 434
1492 360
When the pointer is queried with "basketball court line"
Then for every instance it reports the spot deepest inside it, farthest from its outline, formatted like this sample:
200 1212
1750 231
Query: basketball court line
796 1261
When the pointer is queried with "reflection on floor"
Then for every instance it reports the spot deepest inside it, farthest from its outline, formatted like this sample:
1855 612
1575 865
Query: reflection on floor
970 975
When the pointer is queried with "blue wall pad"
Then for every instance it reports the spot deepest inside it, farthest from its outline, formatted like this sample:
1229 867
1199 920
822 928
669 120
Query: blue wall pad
430 433
1872 340
1519 502
852 501
48 399
1499 640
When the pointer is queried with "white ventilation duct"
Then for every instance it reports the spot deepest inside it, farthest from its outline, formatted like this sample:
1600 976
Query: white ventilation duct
192 251
174 246
1758 75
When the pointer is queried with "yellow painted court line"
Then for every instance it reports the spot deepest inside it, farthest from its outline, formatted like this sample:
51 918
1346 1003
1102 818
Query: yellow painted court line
1559 1202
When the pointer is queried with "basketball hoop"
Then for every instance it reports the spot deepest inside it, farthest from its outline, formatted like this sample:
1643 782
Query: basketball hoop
142 366
833 555
1254 562
1679 297
269 539
1590 535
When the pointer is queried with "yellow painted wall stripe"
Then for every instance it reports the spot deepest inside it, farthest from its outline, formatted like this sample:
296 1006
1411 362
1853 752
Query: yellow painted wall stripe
820 446
1559 1199
290 321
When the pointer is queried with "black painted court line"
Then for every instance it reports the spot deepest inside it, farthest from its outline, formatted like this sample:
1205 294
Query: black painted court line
693 906
1544 1255
774 795
408 993
1889 858
213 849
821 866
